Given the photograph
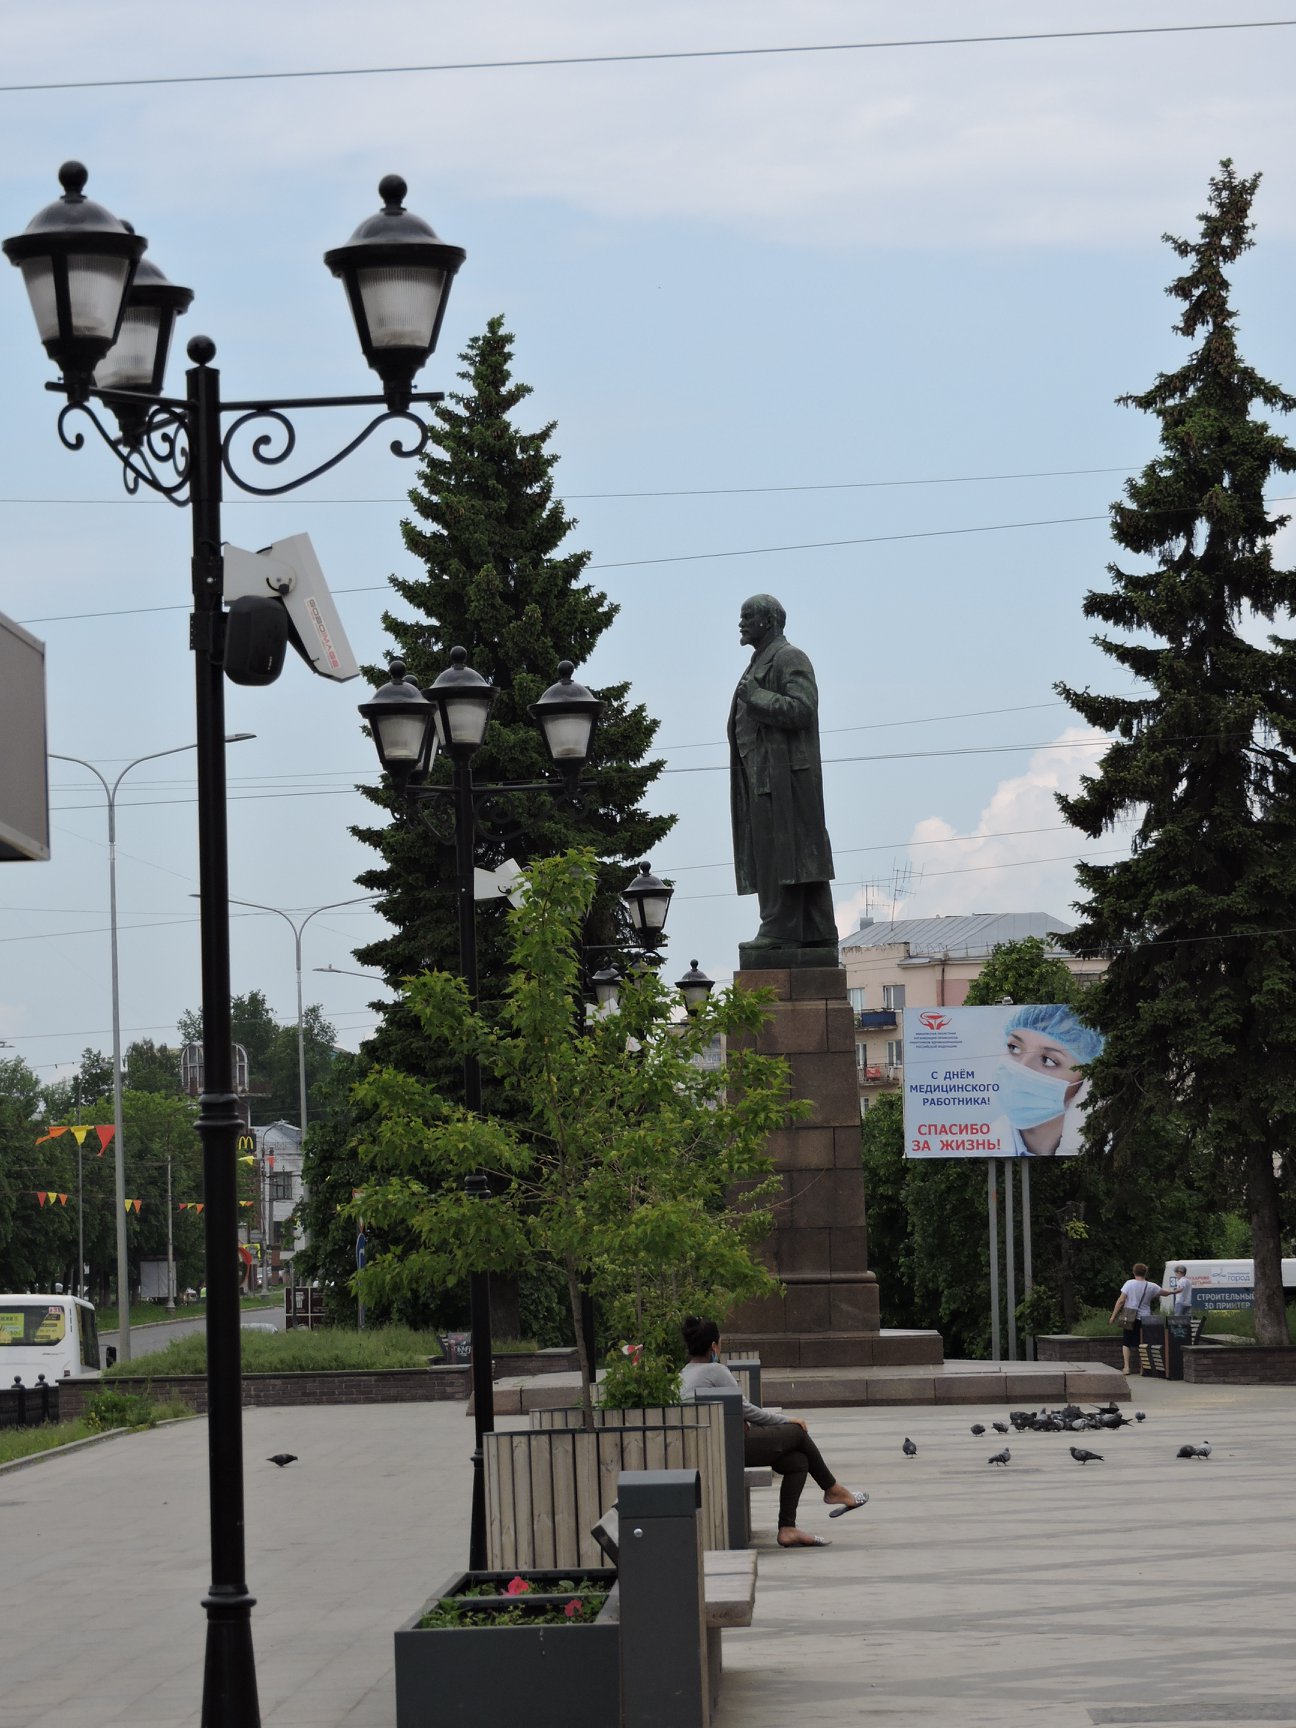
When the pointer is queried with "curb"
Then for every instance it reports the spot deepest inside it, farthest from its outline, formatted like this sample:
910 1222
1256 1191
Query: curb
80 1445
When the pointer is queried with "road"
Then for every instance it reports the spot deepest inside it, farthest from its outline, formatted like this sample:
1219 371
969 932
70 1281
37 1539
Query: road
145 1340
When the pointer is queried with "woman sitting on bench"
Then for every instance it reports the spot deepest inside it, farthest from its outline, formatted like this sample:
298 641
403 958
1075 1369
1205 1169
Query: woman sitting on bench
780 1443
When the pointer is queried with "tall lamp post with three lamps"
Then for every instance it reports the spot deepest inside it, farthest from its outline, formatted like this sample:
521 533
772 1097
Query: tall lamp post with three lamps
105 319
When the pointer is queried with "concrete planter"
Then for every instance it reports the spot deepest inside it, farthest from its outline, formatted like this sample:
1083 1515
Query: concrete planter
1240 1365
1070 1347
500 1677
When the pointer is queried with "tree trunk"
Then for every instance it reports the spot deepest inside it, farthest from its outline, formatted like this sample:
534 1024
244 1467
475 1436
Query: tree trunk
505 1313
1266 1248
574 1300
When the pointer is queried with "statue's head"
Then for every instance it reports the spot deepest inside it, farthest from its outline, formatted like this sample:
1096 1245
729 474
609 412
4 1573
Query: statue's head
760 618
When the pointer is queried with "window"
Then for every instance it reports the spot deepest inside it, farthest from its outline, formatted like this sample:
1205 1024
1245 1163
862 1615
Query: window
864 1107
281 1185
861 1055
857 993
893 996
895 1052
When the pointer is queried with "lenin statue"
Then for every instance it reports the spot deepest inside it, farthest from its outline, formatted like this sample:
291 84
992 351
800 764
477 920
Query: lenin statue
781 847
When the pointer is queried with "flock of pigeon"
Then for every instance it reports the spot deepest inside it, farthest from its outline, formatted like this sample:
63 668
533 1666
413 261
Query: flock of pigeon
1070 1419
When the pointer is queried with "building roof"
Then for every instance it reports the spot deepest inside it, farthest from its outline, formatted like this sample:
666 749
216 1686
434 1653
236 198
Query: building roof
959 936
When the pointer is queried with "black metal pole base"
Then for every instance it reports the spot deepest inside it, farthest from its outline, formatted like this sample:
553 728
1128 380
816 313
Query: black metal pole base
229 1674
477 1528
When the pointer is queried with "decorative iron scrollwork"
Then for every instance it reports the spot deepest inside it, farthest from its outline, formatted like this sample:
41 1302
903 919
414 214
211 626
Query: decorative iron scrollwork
277 443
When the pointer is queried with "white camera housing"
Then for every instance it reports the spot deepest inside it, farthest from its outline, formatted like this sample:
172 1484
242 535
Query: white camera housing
289 571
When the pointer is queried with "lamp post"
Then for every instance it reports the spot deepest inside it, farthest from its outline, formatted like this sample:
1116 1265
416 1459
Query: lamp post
409 726
108 329
119 1154
296 928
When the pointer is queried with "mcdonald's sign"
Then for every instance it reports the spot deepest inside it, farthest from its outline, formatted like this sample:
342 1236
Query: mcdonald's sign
246 1143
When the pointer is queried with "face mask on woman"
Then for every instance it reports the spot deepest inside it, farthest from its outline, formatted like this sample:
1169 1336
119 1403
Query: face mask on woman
1028 1099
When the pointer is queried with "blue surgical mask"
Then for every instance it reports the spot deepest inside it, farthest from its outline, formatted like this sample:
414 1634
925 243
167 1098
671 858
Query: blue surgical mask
1028 1099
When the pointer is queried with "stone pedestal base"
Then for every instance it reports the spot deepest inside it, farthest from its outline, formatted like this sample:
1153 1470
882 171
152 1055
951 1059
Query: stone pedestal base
829 1316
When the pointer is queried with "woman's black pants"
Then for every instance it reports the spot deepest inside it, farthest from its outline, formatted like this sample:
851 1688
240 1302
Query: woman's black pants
789 1451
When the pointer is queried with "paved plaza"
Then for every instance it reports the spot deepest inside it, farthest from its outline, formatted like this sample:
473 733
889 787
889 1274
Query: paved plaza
1140 1590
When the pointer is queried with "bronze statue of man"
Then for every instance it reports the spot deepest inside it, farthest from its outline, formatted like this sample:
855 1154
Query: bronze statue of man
781 847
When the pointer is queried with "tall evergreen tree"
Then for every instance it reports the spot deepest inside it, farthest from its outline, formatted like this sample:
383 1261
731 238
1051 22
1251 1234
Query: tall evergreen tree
1199 1002
489 529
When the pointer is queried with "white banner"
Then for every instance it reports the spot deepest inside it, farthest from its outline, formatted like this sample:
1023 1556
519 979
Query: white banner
1001 1082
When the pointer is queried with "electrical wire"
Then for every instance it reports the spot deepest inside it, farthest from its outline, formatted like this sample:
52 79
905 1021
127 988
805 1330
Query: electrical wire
667 54
676 558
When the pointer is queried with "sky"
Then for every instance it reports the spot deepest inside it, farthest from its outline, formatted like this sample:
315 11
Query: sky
847 326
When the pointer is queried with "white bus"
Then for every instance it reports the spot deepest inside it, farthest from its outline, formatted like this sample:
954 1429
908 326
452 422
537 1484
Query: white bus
50 1335
1220 1283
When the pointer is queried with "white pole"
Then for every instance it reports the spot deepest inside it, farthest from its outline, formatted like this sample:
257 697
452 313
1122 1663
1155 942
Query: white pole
119 1152
1028 1280
992 1201
1010 1259
170 1248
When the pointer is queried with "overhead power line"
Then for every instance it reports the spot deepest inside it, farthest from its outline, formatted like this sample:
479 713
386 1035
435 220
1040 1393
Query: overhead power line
676 558
646 58
685 491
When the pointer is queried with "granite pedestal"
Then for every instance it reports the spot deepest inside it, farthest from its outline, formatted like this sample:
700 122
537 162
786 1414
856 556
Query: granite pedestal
828 1317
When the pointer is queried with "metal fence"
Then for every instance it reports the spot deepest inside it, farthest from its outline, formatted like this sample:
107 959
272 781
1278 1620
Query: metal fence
28 1406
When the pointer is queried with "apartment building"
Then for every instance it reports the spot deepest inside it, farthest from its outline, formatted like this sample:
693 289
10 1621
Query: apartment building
904 963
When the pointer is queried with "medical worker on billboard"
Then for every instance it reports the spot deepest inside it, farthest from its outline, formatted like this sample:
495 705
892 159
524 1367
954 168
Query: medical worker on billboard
1042 1092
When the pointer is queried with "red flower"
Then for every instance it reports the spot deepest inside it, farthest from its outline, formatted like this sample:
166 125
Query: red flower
517 1587
573 1608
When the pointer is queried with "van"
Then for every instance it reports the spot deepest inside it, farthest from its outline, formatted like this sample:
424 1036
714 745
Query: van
50 1335
1220 1283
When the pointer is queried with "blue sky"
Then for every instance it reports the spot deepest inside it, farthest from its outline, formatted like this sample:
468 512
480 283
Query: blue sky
766 289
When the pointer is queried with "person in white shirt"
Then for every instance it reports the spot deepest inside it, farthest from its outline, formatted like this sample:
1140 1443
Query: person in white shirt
1181 1290
1133 1306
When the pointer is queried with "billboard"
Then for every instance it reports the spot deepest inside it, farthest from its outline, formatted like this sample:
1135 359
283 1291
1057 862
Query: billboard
24 790
1001 1082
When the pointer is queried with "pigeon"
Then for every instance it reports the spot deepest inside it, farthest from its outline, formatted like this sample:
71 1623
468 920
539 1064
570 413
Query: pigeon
909 1449
1083 1457
282 1458
978 1430
1140 1415
1202 1451
1078 1426
1000 1457
1000 1427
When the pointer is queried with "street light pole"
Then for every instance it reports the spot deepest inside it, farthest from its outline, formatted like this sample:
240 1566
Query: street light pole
119 1154
408 728
357 900
106 321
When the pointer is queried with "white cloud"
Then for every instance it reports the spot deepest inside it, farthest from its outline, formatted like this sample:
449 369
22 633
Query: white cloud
1071 143
1002 866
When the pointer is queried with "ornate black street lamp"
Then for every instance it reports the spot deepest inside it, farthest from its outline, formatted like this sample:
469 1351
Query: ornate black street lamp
106 321
647 900
695 987
408 728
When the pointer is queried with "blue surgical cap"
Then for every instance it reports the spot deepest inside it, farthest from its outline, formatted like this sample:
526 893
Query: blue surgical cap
1063 1025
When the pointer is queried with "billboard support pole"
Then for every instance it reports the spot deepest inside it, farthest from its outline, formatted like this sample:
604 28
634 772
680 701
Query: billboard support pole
992 1201
1028 1281
1010 1259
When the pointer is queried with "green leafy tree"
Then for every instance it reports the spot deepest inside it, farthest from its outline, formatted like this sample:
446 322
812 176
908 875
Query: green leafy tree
1092 1216
1199 1002
489 529
273 1069
622 1160
151 1067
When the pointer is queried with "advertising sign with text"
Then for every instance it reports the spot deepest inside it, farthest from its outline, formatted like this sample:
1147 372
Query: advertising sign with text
1002 1082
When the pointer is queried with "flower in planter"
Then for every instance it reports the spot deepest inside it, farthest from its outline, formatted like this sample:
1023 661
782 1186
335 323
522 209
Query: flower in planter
573 1609
517 1587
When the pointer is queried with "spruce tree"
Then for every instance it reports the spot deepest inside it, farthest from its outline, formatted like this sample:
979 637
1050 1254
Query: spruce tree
1198 1004
490 529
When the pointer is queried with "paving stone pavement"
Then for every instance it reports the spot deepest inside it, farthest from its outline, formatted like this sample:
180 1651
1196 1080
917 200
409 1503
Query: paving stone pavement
1143 1590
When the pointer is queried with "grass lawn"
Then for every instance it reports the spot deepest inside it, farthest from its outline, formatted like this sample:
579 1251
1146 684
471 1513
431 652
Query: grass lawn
102 1415
298 1351
1232 1322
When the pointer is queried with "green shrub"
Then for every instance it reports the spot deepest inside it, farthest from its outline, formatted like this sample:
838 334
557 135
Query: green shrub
119 1410
638 1383
298 1352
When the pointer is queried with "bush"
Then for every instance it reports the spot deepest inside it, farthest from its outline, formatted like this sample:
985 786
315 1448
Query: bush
638 1382
119 1410
298 1351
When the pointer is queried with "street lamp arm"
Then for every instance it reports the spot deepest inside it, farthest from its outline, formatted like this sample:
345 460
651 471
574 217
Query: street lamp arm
156 454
